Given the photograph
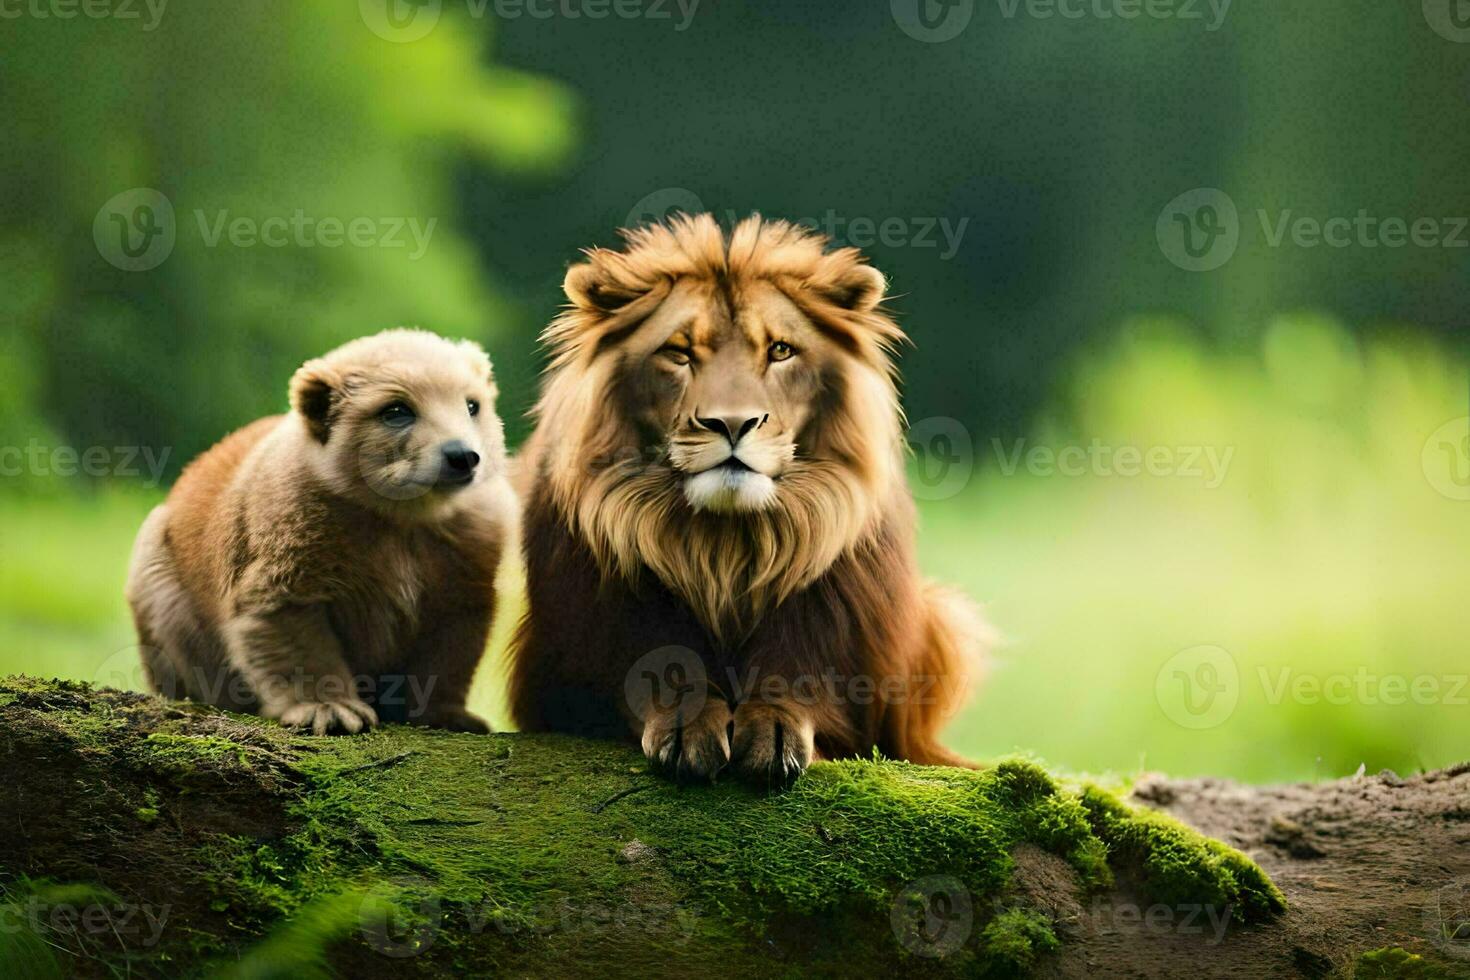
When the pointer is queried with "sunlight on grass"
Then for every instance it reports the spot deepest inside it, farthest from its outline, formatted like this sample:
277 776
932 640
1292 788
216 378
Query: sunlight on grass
1315 561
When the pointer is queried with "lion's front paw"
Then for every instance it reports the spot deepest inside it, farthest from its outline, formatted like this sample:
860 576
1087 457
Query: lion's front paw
689 749
773 743
328 717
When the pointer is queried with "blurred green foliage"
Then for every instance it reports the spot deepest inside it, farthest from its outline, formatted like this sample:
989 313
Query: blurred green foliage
256 112
1054 142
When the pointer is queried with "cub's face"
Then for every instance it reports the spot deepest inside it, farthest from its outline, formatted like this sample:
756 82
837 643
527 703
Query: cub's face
726 382
405 420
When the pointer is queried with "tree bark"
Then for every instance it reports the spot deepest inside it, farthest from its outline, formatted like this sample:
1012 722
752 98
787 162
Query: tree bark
152 838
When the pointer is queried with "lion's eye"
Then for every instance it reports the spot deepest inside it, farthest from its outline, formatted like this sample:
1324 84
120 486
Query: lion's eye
397 416
780 351
473 406
679 355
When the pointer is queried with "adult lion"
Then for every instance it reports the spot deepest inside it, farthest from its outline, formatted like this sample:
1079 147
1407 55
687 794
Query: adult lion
715 504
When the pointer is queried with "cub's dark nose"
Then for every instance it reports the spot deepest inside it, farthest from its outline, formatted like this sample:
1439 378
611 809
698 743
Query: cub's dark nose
459 461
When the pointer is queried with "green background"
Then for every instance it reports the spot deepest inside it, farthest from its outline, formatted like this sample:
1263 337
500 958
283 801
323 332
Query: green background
1323 568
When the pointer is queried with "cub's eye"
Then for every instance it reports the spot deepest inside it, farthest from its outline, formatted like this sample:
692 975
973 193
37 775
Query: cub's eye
780 351
397 416
473 406
679 355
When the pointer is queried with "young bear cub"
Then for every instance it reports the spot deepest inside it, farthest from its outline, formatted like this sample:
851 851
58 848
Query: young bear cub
335 565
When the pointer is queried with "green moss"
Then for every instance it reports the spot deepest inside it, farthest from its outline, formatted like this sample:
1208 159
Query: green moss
840 844
1396 963
1014 940
187 754
512 851
1180 865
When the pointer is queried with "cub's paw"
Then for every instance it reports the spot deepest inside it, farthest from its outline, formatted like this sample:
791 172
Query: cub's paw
452 719
690 749
327 717
773 742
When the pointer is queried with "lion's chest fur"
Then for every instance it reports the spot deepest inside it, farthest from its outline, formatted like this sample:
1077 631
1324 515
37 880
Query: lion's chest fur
588 626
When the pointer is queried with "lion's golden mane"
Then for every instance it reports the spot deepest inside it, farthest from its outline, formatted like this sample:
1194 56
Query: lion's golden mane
840 530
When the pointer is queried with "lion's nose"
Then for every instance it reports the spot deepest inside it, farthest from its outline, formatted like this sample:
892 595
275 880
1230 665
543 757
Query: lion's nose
732 425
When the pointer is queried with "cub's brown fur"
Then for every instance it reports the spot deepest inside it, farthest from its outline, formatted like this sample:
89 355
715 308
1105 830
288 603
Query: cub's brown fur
718 467
336 564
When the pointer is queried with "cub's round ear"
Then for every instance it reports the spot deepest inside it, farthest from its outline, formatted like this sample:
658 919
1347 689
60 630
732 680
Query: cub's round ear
592 286
315 388
479 362
857 287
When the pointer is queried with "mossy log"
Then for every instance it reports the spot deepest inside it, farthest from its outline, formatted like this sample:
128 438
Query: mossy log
144 837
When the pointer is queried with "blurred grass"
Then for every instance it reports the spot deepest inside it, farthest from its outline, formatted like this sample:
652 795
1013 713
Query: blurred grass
63 561
1325 551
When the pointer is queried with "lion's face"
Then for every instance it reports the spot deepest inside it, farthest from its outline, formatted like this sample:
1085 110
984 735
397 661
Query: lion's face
722 409
724 387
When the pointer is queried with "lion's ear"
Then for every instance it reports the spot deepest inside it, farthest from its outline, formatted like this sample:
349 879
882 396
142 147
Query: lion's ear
593 286
315 388
857 287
